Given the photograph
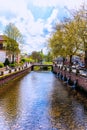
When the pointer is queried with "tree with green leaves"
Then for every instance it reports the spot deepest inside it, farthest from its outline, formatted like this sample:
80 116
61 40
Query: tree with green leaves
70 38
13 32
48 57
81 19
37 56
56 42
14 37
12 48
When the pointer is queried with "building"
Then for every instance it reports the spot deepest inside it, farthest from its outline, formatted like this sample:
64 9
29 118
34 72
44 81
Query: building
3 53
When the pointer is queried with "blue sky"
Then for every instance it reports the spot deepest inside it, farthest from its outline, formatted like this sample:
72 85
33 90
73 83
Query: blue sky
35 19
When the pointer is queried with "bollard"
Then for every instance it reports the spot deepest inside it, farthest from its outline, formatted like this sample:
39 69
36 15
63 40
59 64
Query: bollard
60 75
67 81
10 71
2 72
70 69
64 78
77 71
57 75
75 84
15 69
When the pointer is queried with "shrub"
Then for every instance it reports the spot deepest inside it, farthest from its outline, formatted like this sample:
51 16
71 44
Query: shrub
45 68
26 60
6 62
12 65
1 65
23 60
47 63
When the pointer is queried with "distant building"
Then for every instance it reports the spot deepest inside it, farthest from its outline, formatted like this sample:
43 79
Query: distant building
3 53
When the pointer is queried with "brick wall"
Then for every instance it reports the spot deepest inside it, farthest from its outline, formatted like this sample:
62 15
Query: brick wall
82 80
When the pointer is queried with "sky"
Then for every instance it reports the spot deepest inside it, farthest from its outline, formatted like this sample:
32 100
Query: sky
35 19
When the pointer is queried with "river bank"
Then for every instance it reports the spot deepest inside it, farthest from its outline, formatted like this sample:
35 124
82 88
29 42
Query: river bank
12 75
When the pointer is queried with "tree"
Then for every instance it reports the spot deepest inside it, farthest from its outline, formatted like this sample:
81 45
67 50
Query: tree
13 38
63 41
48 57
56 42
70 38
12 48
6 62
81 17
12 32
37 56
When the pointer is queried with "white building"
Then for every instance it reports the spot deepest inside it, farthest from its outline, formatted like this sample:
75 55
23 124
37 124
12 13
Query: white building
3 52
2 49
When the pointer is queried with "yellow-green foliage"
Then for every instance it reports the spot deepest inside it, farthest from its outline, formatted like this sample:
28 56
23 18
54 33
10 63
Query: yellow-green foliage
1 65
70 37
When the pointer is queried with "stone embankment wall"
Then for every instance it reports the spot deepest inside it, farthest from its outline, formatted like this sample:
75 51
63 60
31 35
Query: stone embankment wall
11 74
81 80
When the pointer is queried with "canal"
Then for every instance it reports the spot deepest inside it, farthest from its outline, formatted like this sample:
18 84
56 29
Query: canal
38 101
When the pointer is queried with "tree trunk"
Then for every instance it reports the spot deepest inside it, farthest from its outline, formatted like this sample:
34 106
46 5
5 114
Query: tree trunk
70 60
63 61
85 59
13 58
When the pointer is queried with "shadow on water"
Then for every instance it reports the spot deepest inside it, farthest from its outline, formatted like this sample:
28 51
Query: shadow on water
68 108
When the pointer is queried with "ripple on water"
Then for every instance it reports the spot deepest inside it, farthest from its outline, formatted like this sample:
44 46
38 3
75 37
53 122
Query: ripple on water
39 101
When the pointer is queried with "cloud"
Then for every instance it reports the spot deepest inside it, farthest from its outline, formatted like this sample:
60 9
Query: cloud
36 35
58 3
52 20
36 27
13 6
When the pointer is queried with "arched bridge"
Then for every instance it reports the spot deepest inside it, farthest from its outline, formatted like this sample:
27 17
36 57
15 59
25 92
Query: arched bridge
42 65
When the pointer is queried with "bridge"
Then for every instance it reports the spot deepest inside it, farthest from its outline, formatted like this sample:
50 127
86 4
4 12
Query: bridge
46 66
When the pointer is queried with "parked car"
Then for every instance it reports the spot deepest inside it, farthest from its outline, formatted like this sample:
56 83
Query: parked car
81 65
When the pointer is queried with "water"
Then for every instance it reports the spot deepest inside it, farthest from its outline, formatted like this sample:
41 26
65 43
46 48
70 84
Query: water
39 101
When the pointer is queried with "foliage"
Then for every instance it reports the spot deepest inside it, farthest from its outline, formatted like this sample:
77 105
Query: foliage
12 65
1 65
36 68
23 60
48 63
48 57
30 60
56 42
27 60
13 37
37 56
82 22
70 37
6 62
12 32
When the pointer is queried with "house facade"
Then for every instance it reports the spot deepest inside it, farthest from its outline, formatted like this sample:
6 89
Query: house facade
2 49
3 53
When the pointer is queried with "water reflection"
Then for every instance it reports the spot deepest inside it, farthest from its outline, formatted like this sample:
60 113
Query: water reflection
9 106
39 101
67 110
